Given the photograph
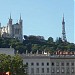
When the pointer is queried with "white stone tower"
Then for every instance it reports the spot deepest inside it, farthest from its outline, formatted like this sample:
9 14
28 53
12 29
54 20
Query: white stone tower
21 28
10 26
13 30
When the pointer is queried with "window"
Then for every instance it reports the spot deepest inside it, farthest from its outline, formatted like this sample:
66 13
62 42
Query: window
52 63
32 64
37 64
72 64
42 64
32 70
72 70
42 70
16 31
67 64
26 63
26 70
52 70
57 64
62 64
67 70
47 64
62 70
47 70
57 70
37 70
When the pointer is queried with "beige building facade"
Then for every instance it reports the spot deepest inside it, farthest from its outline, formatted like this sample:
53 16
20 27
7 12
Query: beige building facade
47 64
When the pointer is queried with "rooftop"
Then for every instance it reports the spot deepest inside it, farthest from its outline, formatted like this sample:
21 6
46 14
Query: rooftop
56 55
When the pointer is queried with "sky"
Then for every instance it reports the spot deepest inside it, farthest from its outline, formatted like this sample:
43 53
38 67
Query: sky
40 17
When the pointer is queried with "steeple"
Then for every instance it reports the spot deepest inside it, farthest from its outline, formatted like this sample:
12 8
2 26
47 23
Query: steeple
10 20
10 26
63 30
20 20
20 16
10 15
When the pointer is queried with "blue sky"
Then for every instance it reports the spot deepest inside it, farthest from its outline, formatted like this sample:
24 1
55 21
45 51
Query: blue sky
40 17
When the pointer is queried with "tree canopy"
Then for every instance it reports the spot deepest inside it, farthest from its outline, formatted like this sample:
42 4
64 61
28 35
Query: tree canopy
12 64
34 43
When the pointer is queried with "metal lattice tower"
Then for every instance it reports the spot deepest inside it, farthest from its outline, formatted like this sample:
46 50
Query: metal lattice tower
63 31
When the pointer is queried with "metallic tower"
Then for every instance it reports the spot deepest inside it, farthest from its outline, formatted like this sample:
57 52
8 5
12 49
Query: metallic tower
63 31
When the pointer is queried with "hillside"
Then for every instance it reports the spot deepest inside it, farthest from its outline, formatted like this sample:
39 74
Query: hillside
34 43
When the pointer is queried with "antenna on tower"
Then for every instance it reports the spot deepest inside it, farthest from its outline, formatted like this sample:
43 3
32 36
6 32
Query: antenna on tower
63 17
63 30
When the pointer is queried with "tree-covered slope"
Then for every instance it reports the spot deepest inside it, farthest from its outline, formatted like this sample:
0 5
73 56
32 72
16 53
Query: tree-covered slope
34 43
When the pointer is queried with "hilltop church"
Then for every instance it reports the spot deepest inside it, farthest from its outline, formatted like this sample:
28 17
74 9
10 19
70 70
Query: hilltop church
12 30
15 30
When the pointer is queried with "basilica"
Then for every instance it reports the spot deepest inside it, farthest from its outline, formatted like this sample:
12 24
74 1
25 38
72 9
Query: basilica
12 30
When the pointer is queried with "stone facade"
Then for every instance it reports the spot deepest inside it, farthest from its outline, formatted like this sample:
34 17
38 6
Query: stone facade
47 64
12 30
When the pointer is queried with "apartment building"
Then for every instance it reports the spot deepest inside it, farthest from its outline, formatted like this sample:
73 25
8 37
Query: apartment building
62 63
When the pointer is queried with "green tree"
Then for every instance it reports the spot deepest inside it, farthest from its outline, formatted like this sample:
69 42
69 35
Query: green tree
50 40
13 64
